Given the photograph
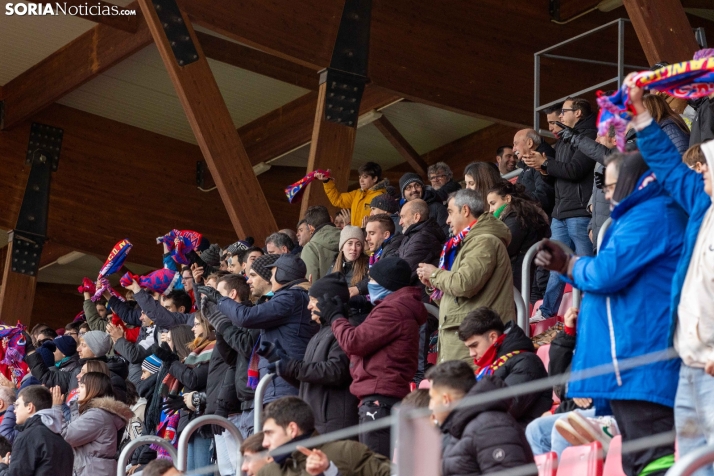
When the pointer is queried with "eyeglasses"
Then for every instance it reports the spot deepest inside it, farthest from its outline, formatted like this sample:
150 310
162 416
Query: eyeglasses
413 186
81 333
563 111
436 177
71 333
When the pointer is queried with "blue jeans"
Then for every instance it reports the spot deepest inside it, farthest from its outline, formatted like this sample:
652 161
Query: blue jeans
199 453
694 412
574 233
544 438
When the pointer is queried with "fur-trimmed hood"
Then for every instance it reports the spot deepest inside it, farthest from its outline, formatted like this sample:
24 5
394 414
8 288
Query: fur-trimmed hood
112 406
381 185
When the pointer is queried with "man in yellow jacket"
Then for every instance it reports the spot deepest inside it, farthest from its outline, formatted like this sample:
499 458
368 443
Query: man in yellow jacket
357 200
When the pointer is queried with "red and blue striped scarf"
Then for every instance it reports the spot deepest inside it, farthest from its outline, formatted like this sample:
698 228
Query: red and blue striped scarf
253 369
448 254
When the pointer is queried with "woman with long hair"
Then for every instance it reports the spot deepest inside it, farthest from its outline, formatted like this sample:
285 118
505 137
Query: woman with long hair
186 384
481 177
351 260
670 122
527 221
94 434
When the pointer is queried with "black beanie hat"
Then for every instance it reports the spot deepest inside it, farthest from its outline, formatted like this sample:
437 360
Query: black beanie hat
406 179
333 284
391 272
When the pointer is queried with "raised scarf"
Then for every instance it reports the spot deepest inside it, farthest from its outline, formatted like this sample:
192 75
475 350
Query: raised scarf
687 80
448 254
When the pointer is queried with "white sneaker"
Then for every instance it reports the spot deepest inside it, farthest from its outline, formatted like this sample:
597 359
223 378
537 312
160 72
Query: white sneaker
566 430
602 429
537 317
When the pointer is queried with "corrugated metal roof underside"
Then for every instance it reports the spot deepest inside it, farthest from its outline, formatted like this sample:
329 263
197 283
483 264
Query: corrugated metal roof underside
27 40
138 92
425 127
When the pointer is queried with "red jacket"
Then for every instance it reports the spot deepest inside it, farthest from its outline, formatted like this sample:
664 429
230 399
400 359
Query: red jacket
384 349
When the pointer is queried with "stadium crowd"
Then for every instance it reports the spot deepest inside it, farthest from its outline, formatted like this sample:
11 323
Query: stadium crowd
406 297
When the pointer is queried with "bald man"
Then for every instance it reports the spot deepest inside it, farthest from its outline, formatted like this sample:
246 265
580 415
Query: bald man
526 143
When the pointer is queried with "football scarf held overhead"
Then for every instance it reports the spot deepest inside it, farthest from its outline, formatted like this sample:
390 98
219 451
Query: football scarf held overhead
687 80
448 254
180 243
114 262
295 191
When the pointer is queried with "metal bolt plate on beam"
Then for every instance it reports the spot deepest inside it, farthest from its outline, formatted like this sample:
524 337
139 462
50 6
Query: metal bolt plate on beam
26 253
176 31
343 96
46 139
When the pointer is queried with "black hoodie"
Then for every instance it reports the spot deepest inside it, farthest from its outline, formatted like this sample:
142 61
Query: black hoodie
520 368
572 172
484 438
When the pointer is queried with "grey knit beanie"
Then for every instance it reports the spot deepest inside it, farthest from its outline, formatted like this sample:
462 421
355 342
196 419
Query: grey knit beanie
350 232
98 342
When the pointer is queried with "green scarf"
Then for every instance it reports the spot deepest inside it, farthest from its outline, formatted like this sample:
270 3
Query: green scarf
59 364
499 210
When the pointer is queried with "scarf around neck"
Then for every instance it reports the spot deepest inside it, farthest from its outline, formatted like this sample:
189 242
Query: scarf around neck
378 254
448 254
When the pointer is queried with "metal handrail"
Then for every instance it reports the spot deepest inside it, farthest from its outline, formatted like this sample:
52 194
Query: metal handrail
141 441
181 459
526 274
577 294
521 312
691 462
258 402
601 233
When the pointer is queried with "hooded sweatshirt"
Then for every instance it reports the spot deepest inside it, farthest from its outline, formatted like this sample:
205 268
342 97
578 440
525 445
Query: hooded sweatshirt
694 337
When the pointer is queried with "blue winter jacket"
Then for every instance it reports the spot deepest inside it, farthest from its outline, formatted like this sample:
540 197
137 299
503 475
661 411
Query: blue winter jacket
283 318
625 308
687 188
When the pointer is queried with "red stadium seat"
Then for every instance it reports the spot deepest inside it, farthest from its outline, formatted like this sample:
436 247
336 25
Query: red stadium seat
543 353
613 461
547 464
565 304
584 460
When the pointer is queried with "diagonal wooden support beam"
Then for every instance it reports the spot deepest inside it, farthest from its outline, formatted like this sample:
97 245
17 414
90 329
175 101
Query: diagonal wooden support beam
217 137
17 293
69 67
663 30
402 145
331 148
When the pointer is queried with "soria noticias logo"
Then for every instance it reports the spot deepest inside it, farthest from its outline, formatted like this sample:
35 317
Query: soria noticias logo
61 8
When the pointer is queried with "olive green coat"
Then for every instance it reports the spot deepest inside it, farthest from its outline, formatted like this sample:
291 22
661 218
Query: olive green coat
480 276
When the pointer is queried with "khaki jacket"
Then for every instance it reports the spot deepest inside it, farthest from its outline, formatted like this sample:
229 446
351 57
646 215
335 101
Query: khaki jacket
480 276
350 457
321 251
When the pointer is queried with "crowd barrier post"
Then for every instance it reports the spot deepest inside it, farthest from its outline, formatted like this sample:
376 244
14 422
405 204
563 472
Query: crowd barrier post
601 233
526 280
690 463
521 312
141 441
181 459
258 405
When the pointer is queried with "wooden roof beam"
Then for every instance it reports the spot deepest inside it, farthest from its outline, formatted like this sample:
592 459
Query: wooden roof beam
290 126
256 61
212 125
402 145
68 68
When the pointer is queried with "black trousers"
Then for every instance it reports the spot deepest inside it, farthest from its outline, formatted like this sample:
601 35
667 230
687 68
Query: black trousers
638 419
373 408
